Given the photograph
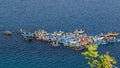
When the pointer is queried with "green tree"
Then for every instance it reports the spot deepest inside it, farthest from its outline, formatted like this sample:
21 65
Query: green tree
98 61
106 60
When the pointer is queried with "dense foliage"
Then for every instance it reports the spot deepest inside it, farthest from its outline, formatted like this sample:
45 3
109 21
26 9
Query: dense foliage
98 61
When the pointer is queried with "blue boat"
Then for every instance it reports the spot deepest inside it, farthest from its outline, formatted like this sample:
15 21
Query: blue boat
104 42
27 36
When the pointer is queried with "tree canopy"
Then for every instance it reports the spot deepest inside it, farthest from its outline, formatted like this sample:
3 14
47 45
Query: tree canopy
98 61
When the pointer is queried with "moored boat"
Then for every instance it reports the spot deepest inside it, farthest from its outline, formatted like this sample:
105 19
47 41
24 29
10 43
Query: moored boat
27 36
54 44
113 34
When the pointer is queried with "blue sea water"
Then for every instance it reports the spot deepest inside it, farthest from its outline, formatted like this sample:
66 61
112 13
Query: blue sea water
93 16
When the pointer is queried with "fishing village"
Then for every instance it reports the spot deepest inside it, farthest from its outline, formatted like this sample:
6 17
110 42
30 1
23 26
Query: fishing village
76 40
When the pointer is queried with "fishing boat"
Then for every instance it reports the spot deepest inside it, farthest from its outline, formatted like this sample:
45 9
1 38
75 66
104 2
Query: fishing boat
101 35
54 44
81 31
27 36
78 48
21 31
9 33
118 40
104 42
113 34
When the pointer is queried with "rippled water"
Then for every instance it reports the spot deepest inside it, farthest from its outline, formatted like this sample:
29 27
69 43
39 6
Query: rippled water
94 16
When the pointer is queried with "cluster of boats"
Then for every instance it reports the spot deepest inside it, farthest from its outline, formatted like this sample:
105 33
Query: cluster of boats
76 40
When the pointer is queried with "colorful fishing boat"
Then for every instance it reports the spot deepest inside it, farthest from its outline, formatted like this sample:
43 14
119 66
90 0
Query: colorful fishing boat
27 36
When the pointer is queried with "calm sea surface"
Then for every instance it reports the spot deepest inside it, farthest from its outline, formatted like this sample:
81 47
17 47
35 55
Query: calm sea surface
93 16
